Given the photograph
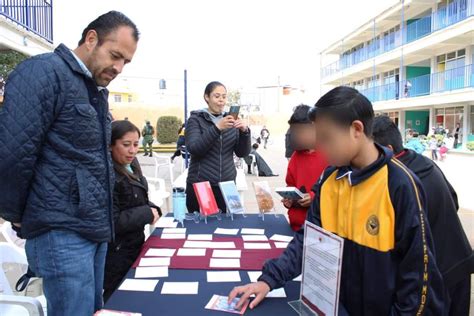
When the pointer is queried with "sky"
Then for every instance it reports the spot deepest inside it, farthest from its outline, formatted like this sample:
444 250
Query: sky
243 43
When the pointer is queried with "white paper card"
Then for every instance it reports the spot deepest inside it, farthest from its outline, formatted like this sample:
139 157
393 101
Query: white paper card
192 252
173 236
154 262
284 238
180 288
252 231
224 263
138 285
226 231
174 231
151 272
209 244
160 252
164 222
254 238
226 253
257 245
223 276
254 275
200 237
280 244
222 244
277 293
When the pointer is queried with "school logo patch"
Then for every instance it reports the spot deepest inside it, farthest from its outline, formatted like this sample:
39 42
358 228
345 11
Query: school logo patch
372 225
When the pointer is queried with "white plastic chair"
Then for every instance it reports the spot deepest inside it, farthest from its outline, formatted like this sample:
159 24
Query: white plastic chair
10 254
13 254
163 162
180 181
11 237
14 305
157 192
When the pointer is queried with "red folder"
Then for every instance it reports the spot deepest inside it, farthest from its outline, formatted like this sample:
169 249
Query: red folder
206 198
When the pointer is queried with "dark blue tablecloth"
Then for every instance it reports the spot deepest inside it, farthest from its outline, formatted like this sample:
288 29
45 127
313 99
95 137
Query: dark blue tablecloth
153 303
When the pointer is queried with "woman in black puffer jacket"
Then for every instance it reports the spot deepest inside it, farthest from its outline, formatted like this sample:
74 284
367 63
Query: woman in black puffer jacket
212 138
132 209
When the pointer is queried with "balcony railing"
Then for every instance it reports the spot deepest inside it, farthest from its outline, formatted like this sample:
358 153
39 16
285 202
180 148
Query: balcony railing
444 81
34 15
455 12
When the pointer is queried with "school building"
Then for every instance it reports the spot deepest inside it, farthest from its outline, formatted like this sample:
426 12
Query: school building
415 62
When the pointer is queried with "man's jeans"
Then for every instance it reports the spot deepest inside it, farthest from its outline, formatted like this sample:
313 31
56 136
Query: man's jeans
72 269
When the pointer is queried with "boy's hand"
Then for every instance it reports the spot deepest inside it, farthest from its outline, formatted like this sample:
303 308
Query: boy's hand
287 203
260 289
306 201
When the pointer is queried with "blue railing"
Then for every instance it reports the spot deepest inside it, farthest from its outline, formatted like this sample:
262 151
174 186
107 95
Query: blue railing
415 29
34 15
452 79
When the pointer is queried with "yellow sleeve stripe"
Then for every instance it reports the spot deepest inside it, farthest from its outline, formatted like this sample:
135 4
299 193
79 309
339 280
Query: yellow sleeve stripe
415 187
424 287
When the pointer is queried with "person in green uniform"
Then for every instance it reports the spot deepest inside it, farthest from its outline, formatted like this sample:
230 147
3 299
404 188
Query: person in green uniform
148 132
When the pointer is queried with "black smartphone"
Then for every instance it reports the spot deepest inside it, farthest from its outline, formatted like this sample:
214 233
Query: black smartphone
234 111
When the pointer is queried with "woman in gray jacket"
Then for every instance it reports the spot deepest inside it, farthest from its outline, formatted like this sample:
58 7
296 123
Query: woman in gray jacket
212 137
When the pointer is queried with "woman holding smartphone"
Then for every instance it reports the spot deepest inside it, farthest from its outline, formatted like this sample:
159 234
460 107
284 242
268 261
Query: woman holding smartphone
212 138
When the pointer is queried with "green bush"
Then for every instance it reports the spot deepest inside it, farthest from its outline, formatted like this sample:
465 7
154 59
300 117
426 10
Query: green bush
167 129
470 145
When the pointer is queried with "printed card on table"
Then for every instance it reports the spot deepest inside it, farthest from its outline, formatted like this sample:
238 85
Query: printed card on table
219 303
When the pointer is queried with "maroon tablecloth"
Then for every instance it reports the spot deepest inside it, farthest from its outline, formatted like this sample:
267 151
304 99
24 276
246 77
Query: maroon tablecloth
251 259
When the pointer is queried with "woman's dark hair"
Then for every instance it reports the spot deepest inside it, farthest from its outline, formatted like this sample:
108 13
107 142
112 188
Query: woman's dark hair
300 115
119 129
345 105
211 86
255 146
385 132
106 24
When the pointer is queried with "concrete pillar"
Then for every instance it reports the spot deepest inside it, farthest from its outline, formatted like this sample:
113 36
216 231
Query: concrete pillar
432 119
469 55
465 126
433 69
401 123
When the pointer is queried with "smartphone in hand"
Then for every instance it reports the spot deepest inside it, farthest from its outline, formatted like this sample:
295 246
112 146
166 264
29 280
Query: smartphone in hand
234 111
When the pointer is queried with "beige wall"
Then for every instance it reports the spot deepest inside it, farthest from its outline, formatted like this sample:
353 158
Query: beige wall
138 113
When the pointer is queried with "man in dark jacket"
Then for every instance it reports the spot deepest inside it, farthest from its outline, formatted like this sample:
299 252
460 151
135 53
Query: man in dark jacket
56 173
454 254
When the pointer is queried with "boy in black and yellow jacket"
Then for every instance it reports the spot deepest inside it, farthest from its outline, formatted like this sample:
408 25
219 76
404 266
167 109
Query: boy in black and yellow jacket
376 204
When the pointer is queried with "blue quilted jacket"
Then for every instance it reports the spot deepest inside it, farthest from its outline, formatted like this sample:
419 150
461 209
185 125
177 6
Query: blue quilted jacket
55 167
